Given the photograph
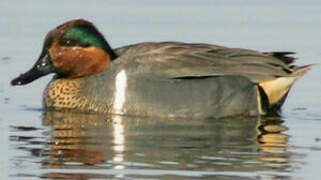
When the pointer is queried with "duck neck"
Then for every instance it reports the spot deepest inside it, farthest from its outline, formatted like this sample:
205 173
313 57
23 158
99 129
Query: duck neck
112 54
109 50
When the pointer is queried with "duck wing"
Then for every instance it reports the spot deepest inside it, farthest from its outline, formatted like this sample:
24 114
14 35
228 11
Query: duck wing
181 60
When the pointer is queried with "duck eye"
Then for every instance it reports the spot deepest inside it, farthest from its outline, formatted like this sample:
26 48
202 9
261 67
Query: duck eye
68 42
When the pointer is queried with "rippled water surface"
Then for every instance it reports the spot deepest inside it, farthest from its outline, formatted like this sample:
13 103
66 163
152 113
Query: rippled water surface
63 145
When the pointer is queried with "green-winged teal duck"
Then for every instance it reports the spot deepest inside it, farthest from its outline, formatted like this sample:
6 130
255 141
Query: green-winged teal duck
164 79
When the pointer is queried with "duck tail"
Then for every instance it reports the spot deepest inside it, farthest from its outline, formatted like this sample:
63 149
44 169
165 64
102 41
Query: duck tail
274 92
301 70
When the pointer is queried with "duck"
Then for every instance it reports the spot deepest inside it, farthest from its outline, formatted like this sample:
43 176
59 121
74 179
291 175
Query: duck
159 79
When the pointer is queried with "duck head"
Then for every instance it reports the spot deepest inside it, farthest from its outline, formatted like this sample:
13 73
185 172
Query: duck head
73 49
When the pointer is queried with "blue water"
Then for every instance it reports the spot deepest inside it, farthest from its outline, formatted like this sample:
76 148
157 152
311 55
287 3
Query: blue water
55 145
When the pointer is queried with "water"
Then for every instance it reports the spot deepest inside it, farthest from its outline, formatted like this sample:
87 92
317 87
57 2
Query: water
60 145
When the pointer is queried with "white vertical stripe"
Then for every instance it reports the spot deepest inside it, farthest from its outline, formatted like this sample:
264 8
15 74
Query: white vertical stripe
120 92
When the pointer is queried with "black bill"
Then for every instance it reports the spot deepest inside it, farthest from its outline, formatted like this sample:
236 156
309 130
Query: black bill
42 67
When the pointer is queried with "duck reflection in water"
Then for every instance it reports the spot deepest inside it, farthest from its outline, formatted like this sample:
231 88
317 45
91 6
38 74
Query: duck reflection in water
272 140
111 145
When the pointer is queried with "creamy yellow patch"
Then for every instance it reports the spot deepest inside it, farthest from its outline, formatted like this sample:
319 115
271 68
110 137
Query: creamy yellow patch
275 89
